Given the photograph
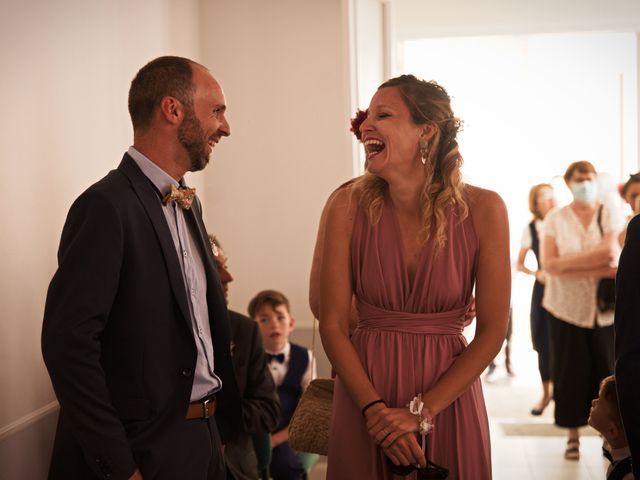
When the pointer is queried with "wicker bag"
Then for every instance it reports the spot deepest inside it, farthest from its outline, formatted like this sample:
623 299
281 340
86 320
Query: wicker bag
309 426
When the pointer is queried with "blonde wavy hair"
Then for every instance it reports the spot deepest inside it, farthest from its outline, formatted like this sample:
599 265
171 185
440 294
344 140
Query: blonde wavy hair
533 199
428 103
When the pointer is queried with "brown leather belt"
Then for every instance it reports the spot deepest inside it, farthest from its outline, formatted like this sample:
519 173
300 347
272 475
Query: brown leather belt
204 409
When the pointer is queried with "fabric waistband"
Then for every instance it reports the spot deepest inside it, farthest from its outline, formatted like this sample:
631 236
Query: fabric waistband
441 323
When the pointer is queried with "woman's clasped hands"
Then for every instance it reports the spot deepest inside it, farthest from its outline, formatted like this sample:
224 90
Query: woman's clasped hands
394 430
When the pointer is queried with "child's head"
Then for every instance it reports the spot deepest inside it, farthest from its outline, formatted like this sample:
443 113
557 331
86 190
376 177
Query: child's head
605 415
630 192
271 310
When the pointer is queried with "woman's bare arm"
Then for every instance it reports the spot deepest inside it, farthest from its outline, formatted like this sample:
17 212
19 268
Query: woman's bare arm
520 266
336 298
493 293
335 304
576 264
316 265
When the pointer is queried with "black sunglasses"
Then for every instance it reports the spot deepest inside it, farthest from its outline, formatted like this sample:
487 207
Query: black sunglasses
430 472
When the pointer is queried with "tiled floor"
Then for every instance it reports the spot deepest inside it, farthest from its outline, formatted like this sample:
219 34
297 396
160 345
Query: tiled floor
536 452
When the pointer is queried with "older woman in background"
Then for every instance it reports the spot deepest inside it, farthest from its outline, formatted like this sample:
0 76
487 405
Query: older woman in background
578 249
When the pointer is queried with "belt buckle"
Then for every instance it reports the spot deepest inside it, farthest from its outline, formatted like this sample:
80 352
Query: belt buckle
205 410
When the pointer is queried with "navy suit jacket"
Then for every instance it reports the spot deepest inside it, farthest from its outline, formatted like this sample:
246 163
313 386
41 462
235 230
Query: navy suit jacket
117 337
627 349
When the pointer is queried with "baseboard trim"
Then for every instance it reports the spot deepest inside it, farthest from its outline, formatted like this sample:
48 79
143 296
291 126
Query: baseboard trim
27 420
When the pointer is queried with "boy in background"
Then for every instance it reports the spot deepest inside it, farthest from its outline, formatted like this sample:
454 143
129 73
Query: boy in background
292 369
605 418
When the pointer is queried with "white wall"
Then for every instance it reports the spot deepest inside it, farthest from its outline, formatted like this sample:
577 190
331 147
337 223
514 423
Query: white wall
66 68
430 18
285 70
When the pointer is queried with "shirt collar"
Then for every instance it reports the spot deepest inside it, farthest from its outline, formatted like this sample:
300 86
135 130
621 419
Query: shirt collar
285 350
161 179
620 453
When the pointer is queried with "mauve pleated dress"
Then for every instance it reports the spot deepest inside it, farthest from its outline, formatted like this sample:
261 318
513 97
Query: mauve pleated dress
407 337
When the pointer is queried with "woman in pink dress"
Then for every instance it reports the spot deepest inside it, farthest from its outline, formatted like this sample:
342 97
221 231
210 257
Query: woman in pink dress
409 240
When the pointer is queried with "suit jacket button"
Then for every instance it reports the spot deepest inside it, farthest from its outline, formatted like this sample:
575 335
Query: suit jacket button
186 372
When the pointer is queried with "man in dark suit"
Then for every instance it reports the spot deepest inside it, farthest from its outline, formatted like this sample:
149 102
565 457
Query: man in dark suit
627 349
136 331
260 405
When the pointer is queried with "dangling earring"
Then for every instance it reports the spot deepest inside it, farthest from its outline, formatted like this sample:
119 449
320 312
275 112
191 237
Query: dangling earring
424 150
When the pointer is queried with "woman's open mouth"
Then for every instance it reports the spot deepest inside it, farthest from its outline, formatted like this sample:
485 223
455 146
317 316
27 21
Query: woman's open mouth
373 147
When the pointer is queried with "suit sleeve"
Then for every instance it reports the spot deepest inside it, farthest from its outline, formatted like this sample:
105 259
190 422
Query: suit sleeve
77 308
627 349
260 405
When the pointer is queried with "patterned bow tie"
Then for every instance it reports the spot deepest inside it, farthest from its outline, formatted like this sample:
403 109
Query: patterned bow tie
183 196
278 358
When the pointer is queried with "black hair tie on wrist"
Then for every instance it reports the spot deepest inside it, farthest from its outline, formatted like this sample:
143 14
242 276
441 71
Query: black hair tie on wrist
371 404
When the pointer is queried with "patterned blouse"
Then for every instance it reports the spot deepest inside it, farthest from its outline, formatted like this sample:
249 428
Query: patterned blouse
573 300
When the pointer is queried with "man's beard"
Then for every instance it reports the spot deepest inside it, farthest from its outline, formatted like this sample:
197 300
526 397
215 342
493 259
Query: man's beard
192 137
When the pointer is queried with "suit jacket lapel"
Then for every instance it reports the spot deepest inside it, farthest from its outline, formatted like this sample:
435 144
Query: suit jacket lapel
194 215
149 199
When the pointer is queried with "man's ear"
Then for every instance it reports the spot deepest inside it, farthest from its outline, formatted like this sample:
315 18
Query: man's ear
292 323
171 110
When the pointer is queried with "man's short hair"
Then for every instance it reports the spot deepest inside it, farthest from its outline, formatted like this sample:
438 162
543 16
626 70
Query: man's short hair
581 166
162 77
273 298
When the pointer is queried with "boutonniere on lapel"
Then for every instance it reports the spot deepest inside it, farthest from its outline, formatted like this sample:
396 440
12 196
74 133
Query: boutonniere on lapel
183 196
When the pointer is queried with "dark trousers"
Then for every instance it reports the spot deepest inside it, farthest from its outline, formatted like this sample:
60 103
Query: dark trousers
582 358
286 463
540 335
198 455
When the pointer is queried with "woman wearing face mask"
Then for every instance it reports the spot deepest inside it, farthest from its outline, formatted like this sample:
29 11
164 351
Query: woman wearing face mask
575 255
541 201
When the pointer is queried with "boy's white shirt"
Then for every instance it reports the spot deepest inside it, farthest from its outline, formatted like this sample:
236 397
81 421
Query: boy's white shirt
279 370
619 454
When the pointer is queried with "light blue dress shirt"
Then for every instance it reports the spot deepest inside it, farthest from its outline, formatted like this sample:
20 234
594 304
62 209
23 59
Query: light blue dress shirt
205 381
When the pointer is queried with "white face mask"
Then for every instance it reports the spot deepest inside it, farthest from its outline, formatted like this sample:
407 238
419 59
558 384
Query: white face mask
584 192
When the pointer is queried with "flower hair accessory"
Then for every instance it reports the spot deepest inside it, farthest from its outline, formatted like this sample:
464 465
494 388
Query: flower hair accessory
416 407
361 116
